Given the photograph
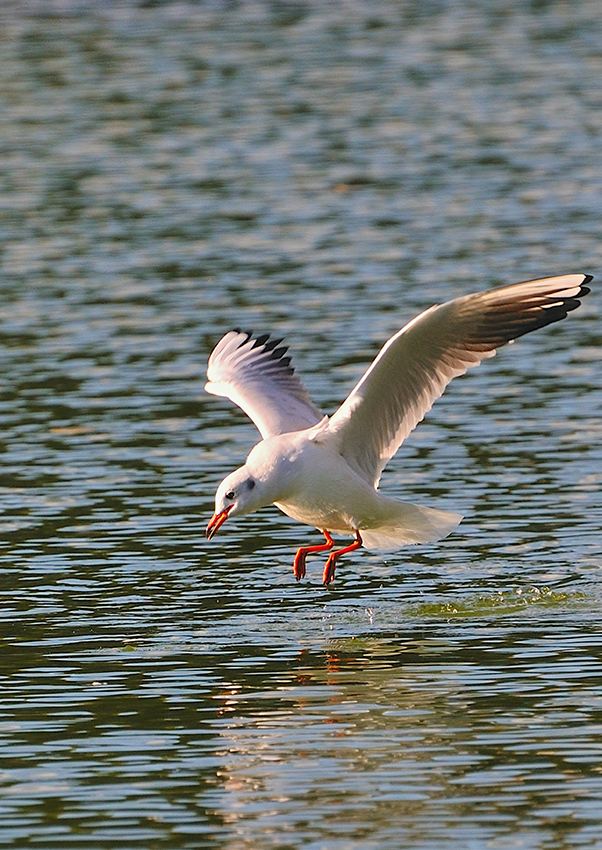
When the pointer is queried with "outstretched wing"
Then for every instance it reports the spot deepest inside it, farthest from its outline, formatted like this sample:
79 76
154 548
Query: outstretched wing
255 374
417 363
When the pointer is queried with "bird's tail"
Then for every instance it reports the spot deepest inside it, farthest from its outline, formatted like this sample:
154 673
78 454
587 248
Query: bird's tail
405 523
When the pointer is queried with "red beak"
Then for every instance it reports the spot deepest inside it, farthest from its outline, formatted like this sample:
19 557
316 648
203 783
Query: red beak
216 521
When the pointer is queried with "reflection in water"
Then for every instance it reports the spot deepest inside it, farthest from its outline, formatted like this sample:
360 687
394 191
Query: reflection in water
435 727
174 170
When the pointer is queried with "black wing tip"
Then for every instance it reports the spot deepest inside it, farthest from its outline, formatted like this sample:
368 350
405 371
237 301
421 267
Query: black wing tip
570 304
585 288
270 346
559 308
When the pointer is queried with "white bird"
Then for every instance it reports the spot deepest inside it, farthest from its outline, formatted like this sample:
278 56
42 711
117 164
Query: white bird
324 471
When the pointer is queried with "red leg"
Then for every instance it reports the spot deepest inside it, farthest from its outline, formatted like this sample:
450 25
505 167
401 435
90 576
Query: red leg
331 563
299 562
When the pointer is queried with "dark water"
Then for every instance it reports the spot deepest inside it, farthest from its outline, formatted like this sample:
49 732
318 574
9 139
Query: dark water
322 171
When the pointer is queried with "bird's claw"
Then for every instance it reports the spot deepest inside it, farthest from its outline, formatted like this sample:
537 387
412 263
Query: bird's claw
329 570
299 565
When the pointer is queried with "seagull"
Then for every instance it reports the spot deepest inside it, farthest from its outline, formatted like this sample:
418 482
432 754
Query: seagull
324 471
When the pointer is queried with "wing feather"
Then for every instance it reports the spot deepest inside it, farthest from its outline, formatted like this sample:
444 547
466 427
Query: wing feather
256 374
417 363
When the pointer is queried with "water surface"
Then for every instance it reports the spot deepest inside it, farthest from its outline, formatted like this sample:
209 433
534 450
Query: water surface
174 170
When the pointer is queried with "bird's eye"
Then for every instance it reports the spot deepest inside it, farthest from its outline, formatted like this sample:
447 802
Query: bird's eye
230 495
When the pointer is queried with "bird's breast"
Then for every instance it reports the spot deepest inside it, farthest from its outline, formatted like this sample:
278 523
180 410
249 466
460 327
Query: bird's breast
325 492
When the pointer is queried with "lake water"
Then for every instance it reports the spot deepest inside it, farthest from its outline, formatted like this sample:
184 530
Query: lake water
322 171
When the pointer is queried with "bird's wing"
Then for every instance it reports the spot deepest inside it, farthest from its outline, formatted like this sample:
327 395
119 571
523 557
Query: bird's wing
417 363
255 374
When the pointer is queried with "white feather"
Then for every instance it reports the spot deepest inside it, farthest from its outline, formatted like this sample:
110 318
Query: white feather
256 375
414 367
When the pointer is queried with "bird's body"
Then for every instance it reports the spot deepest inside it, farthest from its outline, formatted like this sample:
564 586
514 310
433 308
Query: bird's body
325 471
318 487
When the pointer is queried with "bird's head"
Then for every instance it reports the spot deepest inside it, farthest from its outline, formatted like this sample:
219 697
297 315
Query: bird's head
239 493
